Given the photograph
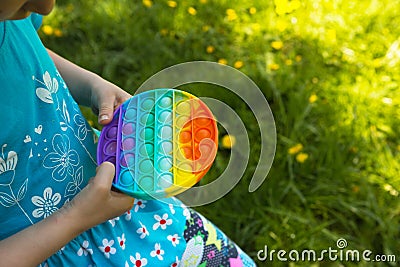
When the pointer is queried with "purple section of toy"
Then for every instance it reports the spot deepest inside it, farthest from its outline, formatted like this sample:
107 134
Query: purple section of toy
108 145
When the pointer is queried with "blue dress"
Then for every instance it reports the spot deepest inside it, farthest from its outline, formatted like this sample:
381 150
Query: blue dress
48 155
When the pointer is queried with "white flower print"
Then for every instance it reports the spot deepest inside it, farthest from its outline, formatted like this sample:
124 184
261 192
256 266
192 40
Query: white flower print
186 212
157 252
121 241
83 129
8 163
139 203
47 205
174 239
107 247
112 221
51 85
138 261
142 231
7 166
162 221
63 159
73 187
176 263
128 215
65 115
84 249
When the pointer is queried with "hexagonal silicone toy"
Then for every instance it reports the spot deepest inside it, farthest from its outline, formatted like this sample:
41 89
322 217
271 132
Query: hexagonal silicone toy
161 141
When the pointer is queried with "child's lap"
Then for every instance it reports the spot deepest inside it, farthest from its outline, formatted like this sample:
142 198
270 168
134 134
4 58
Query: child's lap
153 233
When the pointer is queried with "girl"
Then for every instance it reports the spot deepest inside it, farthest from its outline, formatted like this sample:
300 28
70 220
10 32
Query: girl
52 213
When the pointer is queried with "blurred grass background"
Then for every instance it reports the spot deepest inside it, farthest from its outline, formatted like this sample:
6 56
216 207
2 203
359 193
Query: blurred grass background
330 71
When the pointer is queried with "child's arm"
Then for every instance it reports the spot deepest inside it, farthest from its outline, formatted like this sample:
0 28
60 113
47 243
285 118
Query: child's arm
95 204
89 89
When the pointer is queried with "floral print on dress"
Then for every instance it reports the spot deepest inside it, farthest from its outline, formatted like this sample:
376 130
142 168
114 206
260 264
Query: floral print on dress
51 87
108 248
8 198
63 159
122 241
46 204
84 250
139 204
138 261
142 231
157 252
174 239
162 222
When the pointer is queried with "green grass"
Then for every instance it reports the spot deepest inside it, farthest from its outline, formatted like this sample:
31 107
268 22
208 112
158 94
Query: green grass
345 54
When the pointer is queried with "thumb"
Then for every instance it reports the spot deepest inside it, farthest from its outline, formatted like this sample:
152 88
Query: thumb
105 174
106 111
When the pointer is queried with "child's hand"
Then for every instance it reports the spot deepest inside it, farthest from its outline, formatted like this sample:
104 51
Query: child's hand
89 89
97 203
105 98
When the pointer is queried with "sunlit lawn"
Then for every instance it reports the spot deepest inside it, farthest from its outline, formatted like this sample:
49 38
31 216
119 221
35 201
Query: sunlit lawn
330 71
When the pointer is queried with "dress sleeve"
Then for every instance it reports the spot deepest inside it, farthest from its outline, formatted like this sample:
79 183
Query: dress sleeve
36 20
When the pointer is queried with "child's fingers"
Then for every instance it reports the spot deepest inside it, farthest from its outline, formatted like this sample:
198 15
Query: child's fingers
106 110
105 174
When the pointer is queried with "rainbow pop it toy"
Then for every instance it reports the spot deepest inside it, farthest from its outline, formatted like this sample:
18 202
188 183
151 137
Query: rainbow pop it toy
161 141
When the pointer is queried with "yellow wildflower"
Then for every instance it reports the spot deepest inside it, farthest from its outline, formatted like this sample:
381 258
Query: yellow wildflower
58 33
147 3
228 141
281 24
222 61
210 49
295 149
252 10
277 45
377 62
256 27
203 1
47 29
312 98
192 11
301 157
231 14
331 35
273 66
172 4
289 62
238 64
298 58
205 28
285 6
164 32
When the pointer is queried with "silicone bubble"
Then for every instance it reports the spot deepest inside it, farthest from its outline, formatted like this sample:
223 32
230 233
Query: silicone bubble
161 141
165 102
112 132
130 114
127 160
126 178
